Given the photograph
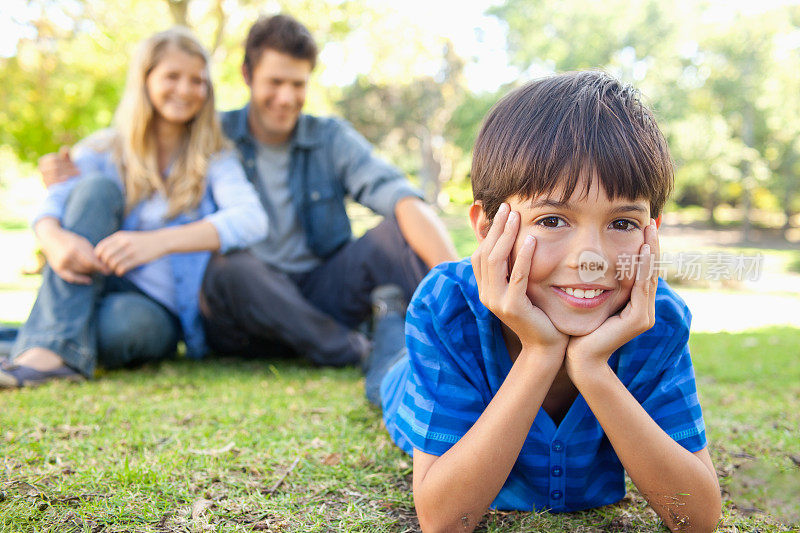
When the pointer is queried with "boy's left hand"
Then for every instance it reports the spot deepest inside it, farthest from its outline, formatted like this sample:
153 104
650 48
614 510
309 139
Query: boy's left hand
586 352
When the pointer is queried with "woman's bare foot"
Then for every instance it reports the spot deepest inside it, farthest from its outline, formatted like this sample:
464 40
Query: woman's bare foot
40 359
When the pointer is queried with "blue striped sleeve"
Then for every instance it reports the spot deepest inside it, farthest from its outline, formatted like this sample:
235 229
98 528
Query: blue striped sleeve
438 402
672 401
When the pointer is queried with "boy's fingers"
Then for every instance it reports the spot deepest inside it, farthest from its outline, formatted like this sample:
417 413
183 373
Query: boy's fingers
655 246
518 281
498 225
486 247
499 256
640 295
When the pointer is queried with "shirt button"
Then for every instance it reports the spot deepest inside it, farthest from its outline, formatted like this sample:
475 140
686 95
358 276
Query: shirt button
315 195
556 494
558 446
556 471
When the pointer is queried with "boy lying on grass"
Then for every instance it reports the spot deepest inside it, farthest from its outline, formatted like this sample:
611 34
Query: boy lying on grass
555 358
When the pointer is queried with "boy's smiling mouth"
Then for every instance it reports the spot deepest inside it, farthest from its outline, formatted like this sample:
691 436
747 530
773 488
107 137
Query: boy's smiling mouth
583 296
581 293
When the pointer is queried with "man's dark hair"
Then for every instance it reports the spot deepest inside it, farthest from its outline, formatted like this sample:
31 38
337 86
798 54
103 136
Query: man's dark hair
548 133
281 33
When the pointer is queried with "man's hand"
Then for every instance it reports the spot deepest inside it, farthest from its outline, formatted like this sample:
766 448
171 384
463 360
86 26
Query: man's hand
57 167
71 256
638 316
125 250
506 295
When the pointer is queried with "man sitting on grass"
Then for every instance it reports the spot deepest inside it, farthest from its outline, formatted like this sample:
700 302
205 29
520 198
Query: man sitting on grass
307 287
555 360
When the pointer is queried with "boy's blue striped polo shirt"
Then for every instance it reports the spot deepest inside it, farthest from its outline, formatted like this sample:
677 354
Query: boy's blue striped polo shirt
458 360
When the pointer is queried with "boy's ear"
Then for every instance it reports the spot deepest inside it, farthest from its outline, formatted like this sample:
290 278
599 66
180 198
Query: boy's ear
477 218
658 222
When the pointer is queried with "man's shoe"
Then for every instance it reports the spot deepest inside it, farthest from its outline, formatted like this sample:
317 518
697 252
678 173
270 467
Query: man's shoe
388 316
387 299
16 376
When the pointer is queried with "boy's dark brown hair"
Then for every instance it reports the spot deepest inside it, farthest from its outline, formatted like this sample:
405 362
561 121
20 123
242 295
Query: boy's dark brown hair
549 132
281 33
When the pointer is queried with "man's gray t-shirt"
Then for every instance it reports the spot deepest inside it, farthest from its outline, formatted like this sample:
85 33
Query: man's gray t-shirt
285 247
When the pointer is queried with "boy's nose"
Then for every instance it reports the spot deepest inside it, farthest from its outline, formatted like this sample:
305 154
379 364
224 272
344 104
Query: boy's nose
585 245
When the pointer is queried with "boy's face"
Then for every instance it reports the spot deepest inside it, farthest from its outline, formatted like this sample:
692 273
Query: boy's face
573 239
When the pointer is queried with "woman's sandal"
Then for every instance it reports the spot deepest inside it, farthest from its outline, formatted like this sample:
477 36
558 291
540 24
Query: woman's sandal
16 376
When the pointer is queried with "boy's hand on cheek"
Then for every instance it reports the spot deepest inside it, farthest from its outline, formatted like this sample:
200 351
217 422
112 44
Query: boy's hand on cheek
505 294
587 352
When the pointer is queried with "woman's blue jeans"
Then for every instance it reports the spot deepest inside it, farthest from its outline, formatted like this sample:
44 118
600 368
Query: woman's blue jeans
109 321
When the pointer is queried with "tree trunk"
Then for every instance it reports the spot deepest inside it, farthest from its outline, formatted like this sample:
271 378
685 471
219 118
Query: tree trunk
712 201
219 16
179 10
748 136
789 187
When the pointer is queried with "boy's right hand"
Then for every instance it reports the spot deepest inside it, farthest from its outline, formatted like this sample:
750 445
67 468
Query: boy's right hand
505 294
57 167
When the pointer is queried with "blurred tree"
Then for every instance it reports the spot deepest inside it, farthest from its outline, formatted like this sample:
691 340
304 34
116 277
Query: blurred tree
575 34
410 119
752 63
738 66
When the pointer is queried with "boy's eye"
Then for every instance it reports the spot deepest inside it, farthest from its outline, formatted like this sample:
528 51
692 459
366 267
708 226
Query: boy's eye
551 222
624 225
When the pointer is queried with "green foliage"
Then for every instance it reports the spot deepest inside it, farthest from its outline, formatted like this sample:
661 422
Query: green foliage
567 35
468 117
49 102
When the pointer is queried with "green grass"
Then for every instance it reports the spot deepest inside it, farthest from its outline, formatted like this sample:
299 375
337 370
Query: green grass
281 446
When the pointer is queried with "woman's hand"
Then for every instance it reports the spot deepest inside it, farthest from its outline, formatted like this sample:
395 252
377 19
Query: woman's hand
70 255
506 295
123 251
638 316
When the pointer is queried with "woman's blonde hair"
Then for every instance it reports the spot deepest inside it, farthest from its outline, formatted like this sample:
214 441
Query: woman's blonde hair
135 150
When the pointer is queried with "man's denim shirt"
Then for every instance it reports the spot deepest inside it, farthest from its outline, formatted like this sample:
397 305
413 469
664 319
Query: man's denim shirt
328 161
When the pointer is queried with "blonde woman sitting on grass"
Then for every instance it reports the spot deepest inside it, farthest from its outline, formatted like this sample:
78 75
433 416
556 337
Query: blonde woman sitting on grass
128 239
